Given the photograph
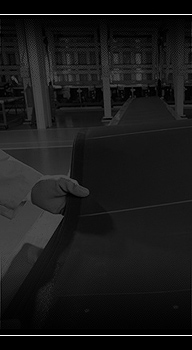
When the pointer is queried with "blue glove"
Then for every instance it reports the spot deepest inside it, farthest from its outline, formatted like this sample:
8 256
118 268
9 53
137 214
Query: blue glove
50 192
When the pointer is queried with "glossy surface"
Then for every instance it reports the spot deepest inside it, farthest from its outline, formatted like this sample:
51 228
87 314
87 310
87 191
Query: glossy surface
146 109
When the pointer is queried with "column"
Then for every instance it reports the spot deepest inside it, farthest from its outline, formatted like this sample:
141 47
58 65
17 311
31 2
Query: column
168 54
178 50
51 54
36 57
155 54
105 71
24 65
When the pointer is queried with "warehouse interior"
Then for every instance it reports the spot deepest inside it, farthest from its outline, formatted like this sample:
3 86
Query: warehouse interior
69 54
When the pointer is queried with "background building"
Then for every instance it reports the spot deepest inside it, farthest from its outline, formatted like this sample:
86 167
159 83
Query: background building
83 60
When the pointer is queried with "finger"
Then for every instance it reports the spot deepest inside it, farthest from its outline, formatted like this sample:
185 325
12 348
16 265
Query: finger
73 187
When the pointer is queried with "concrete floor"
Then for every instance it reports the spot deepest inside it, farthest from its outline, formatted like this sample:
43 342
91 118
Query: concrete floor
47 151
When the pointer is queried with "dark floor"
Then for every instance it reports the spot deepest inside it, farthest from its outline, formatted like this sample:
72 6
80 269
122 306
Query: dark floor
65 118
80 118
72 118
52 161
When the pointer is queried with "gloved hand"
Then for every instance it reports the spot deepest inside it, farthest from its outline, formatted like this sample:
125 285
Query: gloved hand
50 192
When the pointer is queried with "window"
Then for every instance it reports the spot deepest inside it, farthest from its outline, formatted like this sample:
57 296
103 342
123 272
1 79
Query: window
82 58
116 77
127 57
83 77
138 76
190 76
71 78
127 77
11 59
116 58
70 58
59 58
170 77
92 58
65 78
138 58
94 77
60 78
149 76
148 58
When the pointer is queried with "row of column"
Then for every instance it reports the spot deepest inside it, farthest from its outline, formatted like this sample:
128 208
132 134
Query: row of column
33 69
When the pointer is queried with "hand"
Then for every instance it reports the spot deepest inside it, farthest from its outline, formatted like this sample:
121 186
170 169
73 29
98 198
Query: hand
50 192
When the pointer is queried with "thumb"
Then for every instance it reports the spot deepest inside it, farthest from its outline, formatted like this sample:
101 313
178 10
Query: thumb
73 187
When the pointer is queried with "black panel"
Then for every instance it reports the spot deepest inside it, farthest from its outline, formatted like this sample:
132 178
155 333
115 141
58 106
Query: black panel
121 259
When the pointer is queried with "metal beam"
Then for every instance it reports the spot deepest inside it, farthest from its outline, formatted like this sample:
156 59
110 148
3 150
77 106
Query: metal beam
105 70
